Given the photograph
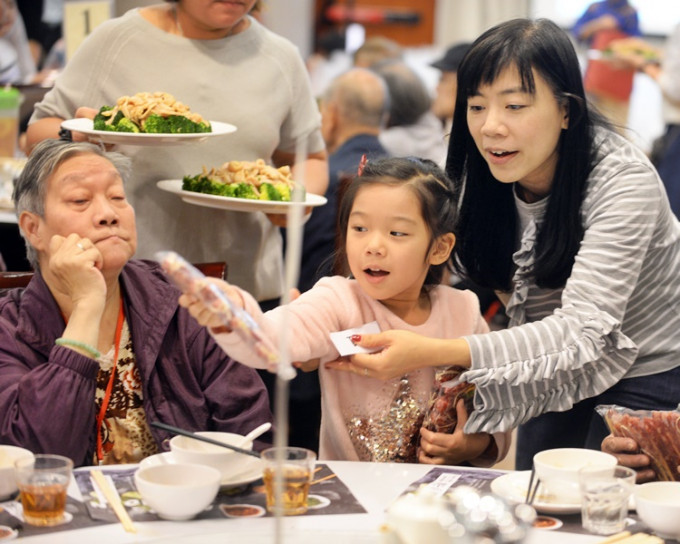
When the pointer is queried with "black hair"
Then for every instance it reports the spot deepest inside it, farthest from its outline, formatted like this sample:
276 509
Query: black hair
430 185
487 227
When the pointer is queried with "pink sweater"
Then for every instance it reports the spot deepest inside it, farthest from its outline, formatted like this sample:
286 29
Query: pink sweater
363 418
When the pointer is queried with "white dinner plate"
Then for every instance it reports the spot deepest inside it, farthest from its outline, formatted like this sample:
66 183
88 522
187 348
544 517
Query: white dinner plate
84 125
513 487
235 204
252 468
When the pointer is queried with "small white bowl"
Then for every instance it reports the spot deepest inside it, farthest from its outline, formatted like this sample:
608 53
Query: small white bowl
228 462
8 455
557 469
658 505
180 491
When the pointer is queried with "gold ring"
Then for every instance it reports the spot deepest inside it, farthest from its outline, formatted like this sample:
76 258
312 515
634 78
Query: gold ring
365 371
79 245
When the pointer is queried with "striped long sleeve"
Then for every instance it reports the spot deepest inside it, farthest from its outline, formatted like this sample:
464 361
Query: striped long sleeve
617 316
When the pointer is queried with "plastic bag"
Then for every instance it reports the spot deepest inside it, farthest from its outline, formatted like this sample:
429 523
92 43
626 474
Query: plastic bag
441 415
657 432
188 279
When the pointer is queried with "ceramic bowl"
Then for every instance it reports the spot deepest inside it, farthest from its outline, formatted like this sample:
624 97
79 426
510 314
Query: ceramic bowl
228 462
658 505
179 491
8 455
557 469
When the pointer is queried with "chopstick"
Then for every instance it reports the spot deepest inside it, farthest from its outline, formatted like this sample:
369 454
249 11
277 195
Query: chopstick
322 479
531 491
626 538
177 430
114 500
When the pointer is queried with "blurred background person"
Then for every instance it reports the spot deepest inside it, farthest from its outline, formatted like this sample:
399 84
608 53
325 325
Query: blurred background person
328 60
377 49
444 102
664 68
16 62
43 19
608 87
412 128
353 111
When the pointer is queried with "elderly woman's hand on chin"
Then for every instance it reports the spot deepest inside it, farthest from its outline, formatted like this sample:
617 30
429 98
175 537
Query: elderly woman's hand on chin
398 352
75 269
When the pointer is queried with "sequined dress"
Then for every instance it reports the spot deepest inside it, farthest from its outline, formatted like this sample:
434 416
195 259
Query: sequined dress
363 418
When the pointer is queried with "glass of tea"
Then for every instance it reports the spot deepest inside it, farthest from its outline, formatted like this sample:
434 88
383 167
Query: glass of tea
287 473
42 482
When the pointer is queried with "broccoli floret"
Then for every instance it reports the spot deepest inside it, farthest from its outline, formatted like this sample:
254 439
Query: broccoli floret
228 189
125 125
100 121
156 124
245 190
173 124
203 184
269 192
179 124
283 190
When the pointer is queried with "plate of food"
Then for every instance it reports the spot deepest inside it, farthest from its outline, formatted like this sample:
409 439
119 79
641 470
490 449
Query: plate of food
513 488
147 119
85 126
243 186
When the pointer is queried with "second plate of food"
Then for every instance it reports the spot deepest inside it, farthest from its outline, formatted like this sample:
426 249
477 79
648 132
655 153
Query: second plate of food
235 204
85 125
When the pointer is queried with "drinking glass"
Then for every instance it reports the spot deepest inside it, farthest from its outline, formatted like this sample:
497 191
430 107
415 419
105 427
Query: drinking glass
42 482
293 469
605 493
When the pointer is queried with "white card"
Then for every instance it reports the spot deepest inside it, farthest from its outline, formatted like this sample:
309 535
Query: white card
344 344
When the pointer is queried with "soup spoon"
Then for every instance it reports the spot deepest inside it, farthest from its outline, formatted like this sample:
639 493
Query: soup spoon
255 433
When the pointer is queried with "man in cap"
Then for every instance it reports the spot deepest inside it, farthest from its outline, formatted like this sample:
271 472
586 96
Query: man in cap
445 98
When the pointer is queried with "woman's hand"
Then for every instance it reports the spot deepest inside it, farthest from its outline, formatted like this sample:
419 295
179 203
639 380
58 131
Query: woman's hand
75 270
402 352
452 449
627 452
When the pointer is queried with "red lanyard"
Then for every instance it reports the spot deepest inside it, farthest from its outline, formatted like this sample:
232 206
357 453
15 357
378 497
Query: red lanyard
109 386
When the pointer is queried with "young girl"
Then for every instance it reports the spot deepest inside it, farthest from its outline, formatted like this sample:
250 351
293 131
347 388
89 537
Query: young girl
396 224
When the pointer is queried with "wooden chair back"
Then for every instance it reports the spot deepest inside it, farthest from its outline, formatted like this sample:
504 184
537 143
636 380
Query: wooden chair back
11 280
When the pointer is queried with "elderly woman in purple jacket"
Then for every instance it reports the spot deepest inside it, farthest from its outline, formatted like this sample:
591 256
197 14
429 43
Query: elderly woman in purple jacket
96 347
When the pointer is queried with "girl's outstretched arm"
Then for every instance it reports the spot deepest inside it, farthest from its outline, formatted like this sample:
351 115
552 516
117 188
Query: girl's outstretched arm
202 313
403 351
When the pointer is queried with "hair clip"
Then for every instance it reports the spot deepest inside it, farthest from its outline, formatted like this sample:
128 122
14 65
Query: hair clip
362 164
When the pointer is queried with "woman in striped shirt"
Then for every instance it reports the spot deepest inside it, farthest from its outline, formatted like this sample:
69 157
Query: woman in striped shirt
571 225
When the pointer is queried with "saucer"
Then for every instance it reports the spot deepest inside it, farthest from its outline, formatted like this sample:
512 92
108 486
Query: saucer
252 470
513 487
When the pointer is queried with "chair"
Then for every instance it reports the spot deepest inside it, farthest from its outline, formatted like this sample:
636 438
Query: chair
11 280
213 270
